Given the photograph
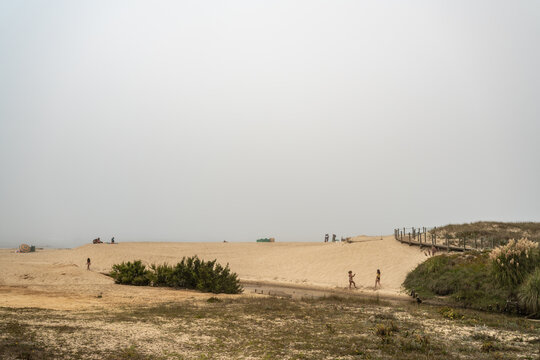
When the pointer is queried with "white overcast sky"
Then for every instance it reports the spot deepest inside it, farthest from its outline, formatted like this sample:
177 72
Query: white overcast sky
235 120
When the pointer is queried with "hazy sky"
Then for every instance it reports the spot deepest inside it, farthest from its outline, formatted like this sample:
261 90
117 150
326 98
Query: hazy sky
235 120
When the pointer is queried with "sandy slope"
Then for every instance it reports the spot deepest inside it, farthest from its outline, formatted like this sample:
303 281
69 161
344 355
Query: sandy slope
63 275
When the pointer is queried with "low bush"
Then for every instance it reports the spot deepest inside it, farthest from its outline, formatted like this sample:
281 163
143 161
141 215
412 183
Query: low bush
190 273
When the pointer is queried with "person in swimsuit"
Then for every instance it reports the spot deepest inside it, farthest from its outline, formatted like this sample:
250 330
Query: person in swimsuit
351 281
88 264
378 278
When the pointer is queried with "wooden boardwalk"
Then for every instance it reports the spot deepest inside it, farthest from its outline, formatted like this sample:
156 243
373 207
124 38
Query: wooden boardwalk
423 238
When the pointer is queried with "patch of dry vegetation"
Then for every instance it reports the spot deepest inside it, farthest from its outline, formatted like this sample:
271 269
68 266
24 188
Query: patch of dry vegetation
266 328
499 232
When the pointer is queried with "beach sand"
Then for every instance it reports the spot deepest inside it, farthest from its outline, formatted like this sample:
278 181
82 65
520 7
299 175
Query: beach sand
58 278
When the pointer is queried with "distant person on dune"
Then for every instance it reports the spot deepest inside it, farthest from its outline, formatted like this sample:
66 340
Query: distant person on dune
378 278
88 264
351 281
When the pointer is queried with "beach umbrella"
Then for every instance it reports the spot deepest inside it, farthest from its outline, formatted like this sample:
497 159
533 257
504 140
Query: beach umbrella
24 248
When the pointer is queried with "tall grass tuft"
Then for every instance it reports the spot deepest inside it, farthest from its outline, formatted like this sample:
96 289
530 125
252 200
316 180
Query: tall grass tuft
529 293
512 262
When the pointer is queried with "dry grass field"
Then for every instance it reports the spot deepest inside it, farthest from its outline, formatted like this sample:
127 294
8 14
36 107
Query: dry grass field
262 327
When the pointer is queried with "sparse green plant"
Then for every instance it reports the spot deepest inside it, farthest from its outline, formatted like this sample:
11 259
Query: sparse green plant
450 313
386 331
416 342
483 336
488 346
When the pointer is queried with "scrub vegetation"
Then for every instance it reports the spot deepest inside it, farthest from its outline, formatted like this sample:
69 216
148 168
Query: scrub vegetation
262 327
507 279
499 232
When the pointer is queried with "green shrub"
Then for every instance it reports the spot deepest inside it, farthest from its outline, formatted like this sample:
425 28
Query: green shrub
512 262
161 275
465 278
529 293
131 273
190 273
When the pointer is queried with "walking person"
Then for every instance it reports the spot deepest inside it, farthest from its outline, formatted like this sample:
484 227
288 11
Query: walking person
378 278
88 263
351 281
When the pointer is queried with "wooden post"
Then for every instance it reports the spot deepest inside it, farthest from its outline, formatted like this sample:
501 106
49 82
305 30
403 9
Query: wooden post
409 238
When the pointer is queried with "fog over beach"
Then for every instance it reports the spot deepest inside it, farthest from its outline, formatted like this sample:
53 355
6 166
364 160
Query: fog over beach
212 121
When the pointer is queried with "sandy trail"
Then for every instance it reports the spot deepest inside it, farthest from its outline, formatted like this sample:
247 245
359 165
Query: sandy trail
58 278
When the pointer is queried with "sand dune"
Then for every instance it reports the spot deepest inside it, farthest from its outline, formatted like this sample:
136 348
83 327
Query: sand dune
63 272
